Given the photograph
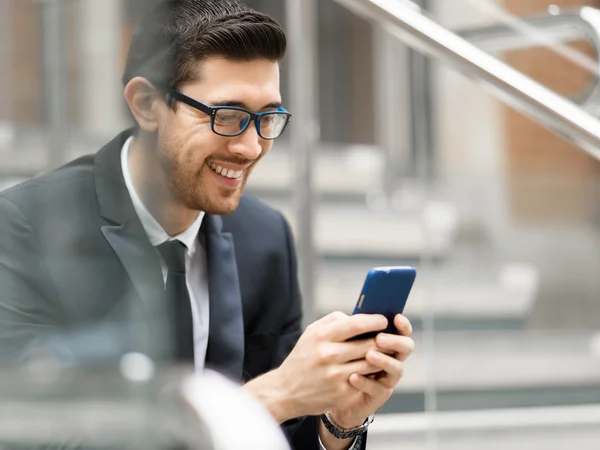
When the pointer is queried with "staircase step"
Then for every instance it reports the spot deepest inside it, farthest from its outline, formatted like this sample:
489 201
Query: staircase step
455 294
353 170
353 230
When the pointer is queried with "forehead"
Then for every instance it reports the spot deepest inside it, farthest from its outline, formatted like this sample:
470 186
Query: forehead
253 82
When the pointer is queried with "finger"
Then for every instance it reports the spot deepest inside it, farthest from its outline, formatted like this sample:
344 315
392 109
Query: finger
373 388
344 352
353 350
322 328
393 368
401 346
385 379
403 325
362 367
376 375
355 325
330 318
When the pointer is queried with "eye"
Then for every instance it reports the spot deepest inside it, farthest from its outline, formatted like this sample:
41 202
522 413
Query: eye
228 116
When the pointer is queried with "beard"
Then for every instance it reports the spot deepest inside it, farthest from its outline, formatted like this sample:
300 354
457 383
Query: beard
192 185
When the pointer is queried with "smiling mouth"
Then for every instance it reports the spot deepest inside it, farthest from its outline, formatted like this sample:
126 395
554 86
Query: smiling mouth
227 173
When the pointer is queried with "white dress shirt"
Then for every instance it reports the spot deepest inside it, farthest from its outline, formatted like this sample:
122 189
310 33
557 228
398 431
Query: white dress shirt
195 261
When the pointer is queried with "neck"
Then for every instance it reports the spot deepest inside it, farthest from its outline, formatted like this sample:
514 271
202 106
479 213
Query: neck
151 185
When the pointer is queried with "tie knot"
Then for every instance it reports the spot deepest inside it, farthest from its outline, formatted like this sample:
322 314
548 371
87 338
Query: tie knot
173 252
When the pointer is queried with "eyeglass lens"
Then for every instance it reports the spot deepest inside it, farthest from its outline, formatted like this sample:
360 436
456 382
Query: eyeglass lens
231 122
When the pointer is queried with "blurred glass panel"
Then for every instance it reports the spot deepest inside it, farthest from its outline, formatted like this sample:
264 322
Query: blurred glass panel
60 64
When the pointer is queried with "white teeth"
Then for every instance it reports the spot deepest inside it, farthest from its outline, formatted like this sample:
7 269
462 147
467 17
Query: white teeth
226 173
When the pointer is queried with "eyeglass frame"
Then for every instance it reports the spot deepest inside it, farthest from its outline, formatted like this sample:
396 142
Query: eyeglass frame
212 112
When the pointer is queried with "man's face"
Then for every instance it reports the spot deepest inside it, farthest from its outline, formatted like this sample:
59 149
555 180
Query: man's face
189 151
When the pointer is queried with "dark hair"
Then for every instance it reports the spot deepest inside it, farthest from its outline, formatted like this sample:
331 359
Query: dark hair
176 35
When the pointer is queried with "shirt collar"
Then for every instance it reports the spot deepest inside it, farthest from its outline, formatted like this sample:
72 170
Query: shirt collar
156 234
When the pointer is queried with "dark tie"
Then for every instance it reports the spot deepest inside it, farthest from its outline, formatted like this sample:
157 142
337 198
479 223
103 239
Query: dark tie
173 252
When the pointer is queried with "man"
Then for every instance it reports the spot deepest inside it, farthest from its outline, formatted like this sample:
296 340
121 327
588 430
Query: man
155 224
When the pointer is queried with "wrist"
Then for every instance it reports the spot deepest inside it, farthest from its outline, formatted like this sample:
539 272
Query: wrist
271 392
346 421
330 442
341 436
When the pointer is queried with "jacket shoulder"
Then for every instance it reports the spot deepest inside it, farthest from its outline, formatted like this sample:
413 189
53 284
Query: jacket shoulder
69 178
254 219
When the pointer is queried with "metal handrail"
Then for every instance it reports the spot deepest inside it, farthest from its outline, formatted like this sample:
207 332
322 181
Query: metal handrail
564 27
555 28
405 20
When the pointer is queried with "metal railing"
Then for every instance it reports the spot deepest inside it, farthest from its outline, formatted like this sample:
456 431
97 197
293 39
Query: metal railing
406 21
554 29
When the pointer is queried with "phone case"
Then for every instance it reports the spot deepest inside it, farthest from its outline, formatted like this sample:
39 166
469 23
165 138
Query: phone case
385 292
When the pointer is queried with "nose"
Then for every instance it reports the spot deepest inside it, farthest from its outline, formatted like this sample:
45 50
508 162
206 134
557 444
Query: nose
248 144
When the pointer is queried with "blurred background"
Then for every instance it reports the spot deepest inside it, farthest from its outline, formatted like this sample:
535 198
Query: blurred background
396 156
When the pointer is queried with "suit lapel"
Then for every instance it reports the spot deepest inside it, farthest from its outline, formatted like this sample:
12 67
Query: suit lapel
123 229
125 234
226 330
138 259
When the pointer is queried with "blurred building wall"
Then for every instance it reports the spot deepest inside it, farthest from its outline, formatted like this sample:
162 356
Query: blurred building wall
101 26
471 150
5 60
494 140
26 62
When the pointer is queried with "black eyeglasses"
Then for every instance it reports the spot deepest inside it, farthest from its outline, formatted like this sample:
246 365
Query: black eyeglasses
230 121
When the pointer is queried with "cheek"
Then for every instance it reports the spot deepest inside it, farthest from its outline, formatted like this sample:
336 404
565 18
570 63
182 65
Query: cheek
266 148
190 146
199 148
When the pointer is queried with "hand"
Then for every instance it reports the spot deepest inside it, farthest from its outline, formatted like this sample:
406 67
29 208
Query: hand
314 377
373 391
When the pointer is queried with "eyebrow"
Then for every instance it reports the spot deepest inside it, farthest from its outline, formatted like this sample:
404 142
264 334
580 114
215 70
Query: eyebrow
238 104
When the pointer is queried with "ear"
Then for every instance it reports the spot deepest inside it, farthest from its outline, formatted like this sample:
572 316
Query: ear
144 102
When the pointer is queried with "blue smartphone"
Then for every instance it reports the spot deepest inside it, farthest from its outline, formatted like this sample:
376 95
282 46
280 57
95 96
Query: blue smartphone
385 292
